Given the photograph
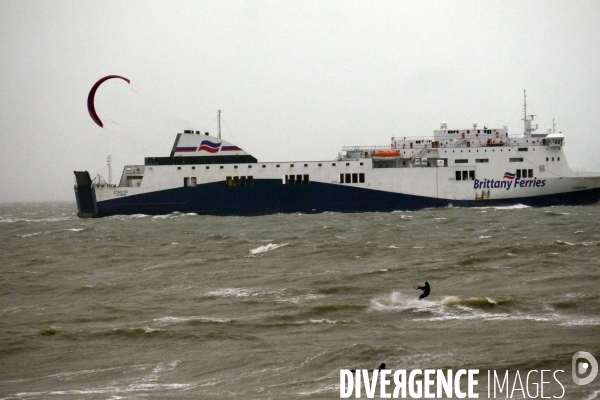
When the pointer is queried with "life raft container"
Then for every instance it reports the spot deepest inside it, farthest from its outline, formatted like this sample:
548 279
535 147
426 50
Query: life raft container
386 155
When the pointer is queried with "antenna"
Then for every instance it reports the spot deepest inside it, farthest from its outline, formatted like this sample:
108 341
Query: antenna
524 103
109 163
219 121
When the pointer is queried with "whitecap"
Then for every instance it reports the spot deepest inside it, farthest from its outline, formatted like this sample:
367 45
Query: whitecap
513 207
176 320
243 292
593 395
582 322
398 302
567 243
473 301
269 247
31 234
230 292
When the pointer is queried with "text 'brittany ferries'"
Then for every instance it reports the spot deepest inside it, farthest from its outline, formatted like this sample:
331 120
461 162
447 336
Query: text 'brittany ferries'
509 181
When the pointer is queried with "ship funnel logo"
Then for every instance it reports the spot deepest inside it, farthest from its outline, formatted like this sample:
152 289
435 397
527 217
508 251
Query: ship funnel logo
208 146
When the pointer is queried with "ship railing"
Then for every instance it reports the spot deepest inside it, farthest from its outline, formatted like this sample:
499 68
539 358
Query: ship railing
412 138
418 156
364 148
357 152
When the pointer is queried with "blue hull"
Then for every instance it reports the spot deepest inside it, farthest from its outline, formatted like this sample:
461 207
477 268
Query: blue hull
271 196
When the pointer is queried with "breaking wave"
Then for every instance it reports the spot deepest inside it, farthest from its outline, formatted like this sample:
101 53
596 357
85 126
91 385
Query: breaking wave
269 247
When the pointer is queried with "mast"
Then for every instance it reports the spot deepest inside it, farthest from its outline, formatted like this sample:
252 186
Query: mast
525 103
109 163
527 119
219 121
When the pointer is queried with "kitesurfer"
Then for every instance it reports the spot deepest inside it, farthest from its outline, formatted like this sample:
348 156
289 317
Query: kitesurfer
426 289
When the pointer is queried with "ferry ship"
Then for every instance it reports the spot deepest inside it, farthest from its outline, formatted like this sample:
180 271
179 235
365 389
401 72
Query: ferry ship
471 167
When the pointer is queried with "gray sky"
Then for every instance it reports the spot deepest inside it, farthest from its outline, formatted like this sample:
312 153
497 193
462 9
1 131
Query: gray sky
295 80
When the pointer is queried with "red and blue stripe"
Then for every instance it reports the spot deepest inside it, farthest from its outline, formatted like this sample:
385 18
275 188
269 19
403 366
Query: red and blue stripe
230 148
209 146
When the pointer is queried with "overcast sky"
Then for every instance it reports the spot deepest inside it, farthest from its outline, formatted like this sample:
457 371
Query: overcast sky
295 80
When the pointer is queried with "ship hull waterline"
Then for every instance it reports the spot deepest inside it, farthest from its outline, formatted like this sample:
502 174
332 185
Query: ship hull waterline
269 196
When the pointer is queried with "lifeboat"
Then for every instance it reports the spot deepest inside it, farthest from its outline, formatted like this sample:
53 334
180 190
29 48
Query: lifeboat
386 155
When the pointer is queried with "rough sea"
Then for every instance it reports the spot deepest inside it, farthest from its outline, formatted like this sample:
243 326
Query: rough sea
184 306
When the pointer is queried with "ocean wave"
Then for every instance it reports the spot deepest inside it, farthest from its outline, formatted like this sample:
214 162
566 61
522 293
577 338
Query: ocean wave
493 317
134 387
174 215
11 220
127 217
176 320
512 207
593 395
472 302
301 298
304 322
269 247
243 292
216 236
582 322
30 234
567 243
577 244
399 302
557 213
324 389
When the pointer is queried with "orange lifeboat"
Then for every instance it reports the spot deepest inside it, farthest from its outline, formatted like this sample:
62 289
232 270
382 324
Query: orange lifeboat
386 155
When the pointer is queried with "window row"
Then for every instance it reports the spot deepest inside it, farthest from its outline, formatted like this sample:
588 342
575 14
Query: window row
352 178
295 180
465 175
265 166
524 173
239 181
187 182
486 160
488 131
548 158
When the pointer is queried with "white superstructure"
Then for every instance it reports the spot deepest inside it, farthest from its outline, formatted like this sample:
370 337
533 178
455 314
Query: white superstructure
467 167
